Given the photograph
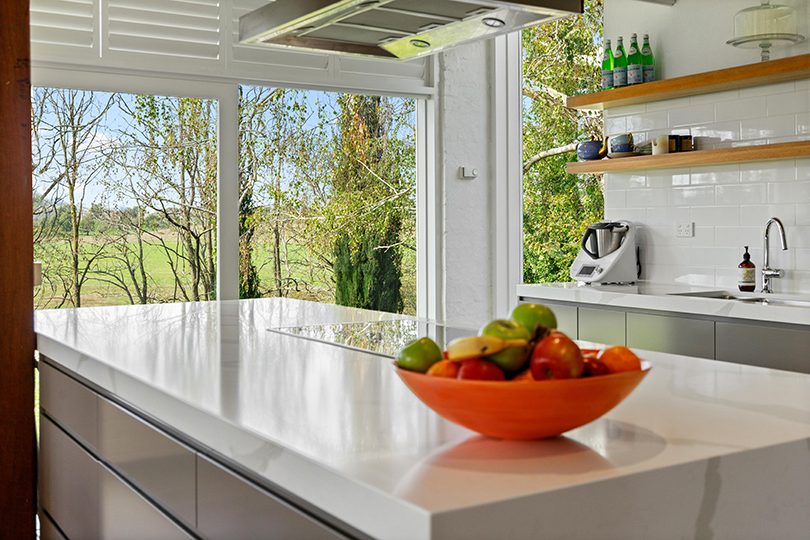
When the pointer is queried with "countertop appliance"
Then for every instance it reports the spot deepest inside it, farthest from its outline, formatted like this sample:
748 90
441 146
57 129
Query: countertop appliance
609 254
393 28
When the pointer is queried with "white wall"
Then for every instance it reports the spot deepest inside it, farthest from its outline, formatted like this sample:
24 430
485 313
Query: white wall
691 36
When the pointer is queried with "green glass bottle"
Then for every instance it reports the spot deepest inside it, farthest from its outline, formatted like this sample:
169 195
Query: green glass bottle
607 67
648 60
619 65
635 66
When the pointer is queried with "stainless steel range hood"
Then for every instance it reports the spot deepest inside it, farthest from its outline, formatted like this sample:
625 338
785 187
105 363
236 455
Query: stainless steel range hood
393 28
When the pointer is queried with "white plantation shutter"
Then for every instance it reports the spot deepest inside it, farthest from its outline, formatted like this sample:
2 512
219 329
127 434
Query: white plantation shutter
186 28
63 28
199 39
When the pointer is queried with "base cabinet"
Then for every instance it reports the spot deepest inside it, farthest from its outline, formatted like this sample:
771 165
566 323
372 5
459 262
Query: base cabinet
606 326
764 346
109 474
678 335
773 346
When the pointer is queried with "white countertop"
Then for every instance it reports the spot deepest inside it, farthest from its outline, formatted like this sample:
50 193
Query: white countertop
338 429
669 298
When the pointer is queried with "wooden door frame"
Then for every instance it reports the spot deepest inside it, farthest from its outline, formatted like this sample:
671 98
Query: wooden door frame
18 447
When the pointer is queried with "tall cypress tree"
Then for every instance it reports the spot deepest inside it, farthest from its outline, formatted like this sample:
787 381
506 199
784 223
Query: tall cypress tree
367 263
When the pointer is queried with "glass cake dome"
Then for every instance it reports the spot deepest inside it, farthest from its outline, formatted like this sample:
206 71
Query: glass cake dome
766 26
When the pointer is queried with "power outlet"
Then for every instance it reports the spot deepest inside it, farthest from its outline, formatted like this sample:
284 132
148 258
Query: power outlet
685 230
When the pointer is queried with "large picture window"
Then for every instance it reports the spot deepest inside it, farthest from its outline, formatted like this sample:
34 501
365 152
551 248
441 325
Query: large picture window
328 197
125 197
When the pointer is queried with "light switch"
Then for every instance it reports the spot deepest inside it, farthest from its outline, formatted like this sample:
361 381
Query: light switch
685 230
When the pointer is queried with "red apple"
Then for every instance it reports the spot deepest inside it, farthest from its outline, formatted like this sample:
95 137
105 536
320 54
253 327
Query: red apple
480 369
594 367
557 357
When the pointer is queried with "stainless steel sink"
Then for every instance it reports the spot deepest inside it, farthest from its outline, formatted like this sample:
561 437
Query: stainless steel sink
762 300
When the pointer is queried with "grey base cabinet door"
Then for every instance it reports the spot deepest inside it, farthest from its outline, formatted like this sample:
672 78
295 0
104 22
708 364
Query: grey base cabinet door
232 509
765 346
605 326
677 335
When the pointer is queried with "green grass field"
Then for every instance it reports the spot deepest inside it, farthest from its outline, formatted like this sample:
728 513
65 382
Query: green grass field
307 283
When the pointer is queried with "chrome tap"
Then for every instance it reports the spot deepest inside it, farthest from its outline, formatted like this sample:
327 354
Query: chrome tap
769 273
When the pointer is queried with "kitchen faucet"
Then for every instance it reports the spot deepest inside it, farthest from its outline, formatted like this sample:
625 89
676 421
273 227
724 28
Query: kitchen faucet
769 273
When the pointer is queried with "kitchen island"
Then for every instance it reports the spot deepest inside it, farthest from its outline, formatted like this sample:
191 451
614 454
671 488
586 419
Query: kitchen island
259 428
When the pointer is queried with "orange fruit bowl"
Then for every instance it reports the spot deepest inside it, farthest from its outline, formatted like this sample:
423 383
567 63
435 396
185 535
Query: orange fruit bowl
522 410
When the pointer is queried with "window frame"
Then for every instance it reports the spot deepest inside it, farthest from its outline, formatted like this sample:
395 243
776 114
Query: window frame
226 94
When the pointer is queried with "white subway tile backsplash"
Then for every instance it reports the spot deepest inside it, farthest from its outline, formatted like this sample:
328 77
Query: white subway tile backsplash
693 114
668 104
720 174
771 89
802 214
741 194
803 169
616 126
627 110
789 192
624 181
615 198
761 213
803 124
774 126
646 197
737 236
775 171
717 131
715 215
647 121
717 97
729 204
693 196
739 109
797 102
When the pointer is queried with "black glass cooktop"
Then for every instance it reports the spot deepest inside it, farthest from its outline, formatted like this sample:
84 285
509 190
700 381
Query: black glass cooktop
384 338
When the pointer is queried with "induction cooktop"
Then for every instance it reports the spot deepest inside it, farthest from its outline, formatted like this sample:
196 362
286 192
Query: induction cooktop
383 338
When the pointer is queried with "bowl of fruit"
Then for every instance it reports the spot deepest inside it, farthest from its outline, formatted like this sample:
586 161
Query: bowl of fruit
520 378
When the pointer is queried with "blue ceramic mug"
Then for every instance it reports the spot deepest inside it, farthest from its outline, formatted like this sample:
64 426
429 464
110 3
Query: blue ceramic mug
621 143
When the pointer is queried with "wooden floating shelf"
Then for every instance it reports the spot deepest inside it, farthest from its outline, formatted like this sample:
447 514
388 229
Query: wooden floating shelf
697 158
759 74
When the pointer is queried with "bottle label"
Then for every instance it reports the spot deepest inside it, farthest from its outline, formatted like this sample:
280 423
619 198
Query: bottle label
631 51
635 74
747 277
607 79
649 73
620 76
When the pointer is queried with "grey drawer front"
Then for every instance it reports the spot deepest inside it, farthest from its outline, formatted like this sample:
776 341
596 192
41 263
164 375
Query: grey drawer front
47 530
155 463
232 509
68 483
771 347
566 315
70 403
602 326
677 335
125 515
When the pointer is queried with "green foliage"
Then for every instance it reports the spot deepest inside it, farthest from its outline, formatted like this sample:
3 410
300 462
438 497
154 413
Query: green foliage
560 59
368 185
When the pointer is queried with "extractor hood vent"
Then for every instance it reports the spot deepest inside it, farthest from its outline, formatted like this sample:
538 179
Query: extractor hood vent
393 28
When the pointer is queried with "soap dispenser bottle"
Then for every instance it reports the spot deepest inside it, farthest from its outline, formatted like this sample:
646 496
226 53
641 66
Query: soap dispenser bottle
748 277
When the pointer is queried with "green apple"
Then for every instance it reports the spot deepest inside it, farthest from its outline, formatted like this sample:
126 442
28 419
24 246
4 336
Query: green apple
533 315
513 358
419 355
